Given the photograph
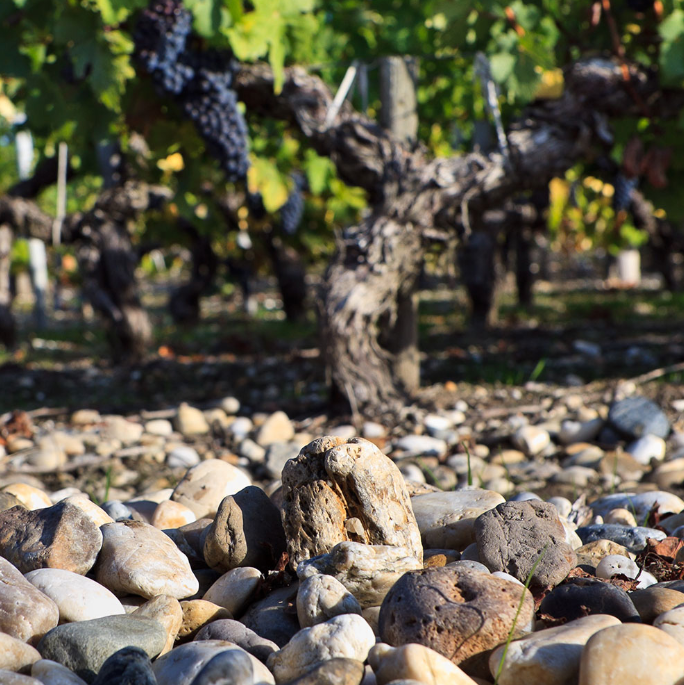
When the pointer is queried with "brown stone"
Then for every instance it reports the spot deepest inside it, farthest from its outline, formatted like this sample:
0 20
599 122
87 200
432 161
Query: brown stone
592 553
457 611
61 536
336 491
653 601
196 614
167 611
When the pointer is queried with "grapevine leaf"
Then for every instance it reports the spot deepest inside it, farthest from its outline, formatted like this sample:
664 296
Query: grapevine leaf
276 57
672 48
109 14
206 15
264 177
501 65
250 37
235 9
318 171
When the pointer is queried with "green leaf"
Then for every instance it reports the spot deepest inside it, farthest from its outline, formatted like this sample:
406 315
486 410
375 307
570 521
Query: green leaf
264 177
501 66
276 57
235 9
206 15
318 171
250 37
672 48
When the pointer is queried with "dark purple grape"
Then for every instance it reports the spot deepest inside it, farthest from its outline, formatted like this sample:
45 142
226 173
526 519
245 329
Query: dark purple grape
292 211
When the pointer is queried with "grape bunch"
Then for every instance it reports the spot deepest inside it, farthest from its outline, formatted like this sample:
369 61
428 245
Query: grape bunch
622 197
200 80
293 209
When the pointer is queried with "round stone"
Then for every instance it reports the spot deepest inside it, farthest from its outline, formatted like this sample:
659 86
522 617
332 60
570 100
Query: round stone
637 416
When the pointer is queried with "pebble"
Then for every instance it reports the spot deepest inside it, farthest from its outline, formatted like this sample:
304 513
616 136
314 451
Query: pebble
640 504
421 446
277 455
415 663
634 539
457 611
96 514
171 514
275 616
128 666
85 417
336 491
117 510
28 495
51 673
250 450
366 571
11 678
446 519
672 622
638 416
653 601
25 612
646 448
532 440
579 431
233 631
631 655
232 667
15 654
183 664
137 558
276 428
165 610
120 429
60 536
523 538
205 486
7 501
230 405
77 597
335 671
190 421
197 613
579 595
183 457
83 647
321 597
247 531
234 589
159 427
547 657
241 427
346 636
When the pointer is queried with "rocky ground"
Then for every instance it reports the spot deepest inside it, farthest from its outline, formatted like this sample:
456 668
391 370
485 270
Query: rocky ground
519 535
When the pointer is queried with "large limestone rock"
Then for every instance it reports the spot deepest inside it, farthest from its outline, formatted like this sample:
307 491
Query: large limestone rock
337 490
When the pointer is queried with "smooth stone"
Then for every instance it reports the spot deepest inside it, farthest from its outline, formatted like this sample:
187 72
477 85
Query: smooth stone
276 428
30 497
255 453
77 597
446 519
247 531
579 431
637 416
471 564
336 491
347 636
16 655
233 631
60 536
366 571
672 622
84 646
456 611
119 428
590 456
127 666
652 601
241 427
548 657
204 486
51 673
197 613
160 427
414 663
532 440
420 446
631 655
523 538
578 597
335 671
622 465
232 667
321 597
138 559
524 497
230 405
592 553
171 514
95 513
11 678
165 610
275 617
182 664
234 589
8 500
190 421
277 455
117 510
623 517
85 417
579 476
182 456
562 504
669 474
646 448
615 564
25 612
634 539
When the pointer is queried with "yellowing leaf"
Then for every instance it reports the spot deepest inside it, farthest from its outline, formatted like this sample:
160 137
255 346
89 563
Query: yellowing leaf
173 162
7 109
263 177
551 85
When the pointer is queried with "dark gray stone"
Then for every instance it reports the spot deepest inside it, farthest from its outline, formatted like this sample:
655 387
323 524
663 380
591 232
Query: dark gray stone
523 538
337 671
227 668
117 510
239 634
247 531
84 646
275 617
637 416
581 596
8 500
277 455
633 538
469 563
60 536
128 666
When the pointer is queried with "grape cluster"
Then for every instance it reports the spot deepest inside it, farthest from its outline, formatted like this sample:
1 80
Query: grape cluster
293 209
622 197
200 80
